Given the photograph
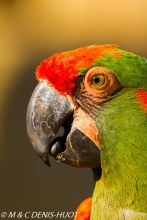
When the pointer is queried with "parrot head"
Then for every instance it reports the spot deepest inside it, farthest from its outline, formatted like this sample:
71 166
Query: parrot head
98 94
94 93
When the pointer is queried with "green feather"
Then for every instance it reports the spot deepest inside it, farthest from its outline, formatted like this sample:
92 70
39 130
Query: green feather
130 69
122 191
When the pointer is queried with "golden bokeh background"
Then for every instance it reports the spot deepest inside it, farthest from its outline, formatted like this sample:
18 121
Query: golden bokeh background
30 32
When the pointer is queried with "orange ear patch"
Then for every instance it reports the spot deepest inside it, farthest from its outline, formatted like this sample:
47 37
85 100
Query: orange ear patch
83 211
142 98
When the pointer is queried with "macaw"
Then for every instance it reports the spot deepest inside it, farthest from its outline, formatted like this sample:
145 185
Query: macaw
98 94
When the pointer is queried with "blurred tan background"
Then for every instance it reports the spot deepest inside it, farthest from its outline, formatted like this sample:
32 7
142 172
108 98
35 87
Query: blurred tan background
30 32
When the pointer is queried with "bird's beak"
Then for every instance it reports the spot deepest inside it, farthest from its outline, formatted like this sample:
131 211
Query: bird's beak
47 111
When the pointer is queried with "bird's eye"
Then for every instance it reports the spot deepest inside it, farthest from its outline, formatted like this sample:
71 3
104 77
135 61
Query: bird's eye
97 80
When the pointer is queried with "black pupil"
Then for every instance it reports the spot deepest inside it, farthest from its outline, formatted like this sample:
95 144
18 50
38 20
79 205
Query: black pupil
96 79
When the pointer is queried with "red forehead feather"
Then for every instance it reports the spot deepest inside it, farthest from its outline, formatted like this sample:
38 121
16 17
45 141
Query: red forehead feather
62 69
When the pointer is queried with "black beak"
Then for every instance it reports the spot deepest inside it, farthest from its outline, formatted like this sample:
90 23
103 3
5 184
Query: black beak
48 110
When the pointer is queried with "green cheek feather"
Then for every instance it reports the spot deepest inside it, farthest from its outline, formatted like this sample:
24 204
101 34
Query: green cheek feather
122 124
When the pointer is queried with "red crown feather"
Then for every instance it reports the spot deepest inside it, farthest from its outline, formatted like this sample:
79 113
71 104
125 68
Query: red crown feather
62 69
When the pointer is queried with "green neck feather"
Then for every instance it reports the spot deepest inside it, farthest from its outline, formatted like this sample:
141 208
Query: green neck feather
121 193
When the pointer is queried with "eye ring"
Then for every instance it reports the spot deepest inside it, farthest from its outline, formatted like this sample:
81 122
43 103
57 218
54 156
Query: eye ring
97 80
